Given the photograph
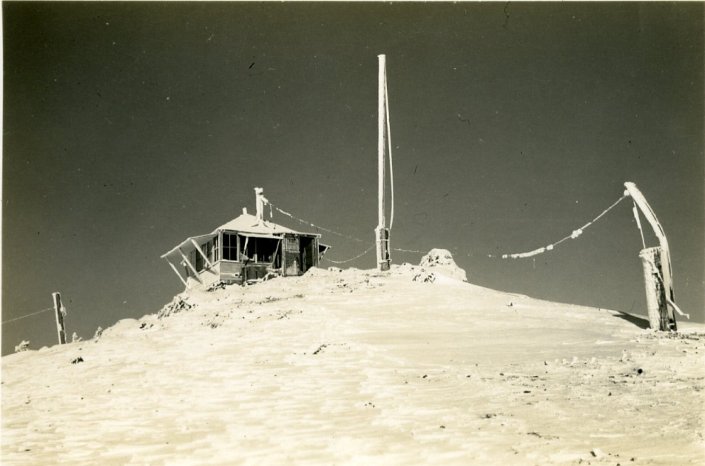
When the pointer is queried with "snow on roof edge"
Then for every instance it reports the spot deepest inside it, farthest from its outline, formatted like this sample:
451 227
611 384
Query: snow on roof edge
247 224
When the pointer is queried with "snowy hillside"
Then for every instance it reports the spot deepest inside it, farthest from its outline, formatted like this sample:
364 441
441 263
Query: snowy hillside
360 367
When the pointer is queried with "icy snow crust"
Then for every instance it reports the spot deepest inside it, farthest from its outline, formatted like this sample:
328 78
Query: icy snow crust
413 366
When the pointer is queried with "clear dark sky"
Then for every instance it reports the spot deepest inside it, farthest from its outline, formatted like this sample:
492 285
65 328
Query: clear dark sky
130 126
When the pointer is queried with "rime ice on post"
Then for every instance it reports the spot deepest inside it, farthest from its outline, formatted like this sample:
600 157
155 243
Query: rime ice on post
656 304
60 312
658 273
382 232
260 202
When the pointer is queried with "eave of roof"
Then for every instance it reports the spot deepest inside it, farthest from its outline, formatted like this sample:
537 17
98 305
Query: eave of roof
245 224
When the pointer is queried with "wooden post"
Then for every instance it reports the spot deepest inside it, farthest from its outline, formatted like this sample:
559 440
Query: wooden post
382 232
660 316
59 318
657 269
650 216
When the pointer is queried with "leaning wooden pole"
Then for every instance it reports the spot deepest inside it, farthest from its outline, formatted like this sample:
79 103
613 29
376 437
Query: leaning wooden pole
656 303
382 232
658 273
58 310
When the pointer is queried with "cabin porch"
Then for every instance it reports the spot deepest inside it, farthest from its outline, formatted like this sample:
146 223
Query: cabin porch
243 257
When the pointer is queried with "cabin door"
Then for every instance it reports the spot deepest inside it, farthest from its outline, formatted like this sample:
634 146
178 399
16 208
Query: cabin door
308 255
292 264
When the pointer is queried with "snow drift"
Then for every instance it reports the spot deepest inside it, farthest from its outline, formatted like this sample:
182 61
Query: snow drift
360 367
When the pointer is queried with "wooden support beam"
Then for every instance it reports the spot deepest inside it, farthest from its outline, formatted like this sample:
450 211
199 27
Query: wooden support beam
219 255
193 269
678 309
314 252
244 248
237 246
276 250
200 251
59 311
176 271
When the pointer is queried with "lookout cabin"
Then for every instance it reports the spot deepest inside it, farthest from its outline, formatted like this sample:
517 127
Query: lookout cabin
244 250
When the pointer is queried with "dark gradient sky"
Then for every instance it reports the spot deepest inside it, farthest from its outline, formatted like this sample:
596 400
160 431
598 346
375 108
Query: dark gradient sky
130 126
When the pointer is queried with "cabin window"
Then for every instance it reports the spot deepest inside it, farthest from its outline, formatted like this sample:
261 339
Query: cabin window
215 257
207 249
256 249
229 247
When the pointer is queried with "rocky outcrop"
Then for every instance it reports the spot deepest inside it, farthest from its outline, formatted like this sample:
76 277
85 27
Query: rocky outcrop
441 261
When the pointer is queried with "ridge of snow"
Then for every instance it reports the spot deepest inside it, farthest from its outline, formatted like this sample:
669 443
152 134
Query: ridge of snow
358 367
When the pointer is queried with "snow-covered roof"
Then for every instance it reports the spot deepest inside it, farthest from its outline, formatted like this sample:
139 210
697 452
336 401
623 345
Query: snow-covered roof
246 224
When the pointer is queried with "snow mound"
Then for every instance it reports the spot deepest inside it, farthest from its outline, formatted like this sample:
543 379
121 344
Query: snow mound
441 262
390 359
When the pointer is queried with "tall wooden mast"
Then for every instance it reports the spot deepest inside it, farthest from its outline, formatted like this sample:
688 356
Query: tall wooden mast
382 232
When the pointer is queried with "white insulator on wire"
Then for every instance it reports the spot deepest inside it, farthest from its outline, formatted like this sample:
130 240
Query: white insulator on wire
575 234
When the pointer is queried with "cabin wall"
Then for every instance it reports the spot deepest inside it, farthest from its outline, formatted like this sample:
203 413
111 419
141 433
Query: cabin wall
210 275
316 254
207 276
291 255
230 271
255 271
238 272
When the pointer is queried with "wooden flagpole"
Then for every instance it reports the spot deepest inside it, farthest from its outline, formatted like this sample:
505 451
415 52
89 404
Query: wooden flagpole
382 232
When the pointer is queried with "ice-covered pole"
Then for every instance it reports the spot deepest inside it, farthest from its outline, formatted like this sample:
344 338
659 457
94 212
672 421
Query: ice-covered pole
260 202
60 312
382 232
658 273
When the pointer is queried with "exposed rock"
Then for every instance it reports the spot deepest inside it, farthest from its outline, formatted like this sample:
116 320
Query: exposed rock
425 277
219 285
441 261
23 346
178 304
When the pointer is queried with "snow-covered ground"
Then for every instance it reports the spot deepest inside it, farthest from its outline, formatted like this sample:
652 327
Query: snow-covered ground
361 367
